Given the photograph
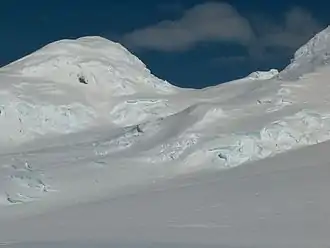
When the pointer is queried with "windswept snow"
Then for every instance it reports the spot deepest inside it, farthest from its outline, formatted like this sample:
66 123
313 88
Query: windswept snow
84 120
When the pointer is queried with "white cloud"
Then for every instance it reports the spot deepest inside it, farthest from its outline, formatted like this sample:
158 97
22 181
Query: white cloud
204 22
222 22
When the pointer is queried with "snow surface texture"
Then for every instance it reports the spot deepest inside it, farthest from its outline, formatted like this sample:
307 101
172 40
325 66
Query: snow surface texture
84 120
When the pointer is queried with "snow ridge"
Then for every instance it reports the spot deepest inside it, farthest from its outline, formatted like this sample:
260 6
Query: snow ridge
314 54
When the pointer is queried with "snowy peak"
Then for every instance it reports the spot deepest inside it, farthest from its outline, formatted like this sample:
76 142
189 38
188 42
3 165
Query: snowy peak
315 53
71 85
93 61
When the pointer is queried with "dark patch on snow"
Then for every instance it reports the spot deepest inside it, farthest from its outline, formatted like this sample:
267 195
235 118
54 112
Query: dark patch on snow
82 80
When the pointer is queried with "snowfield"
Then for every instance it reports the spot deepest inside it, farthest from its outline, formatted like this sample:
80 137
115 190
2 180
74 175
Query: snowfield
97 151
277 202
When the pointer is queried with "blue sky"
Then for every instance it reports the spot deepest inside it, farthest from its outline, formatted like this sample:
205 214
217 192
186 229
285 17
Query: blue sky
190 43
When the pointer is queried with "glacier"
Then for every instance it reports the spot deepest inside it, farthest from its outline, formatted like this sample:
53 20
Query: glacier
84 125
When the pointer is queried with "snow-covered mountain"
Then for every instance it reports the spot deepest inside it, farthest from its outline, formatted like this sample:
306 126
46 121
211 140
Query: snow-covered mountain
70 85
106 67
83 120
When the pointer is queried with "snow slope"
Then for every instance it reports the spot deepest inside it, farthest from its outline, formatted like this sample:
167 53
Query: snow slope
277 202
84 121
